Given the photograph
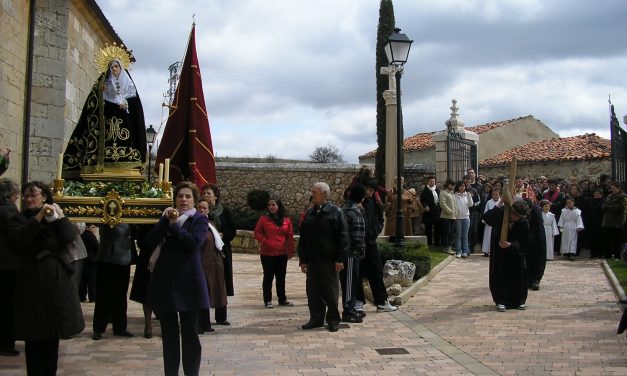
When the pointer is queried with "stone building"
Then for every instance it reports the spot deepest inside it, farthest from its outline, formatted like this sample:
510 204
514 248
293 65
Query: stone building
494 138
47 67
584 157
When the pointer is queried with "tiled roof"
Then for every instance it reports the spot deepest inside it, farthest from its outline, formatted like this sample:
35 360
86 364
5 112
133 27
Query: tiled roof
582 147
424 141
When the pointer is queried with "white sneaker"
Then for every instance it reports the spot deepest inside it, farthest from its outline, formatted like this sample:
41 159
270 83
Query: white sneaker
359 305
387 307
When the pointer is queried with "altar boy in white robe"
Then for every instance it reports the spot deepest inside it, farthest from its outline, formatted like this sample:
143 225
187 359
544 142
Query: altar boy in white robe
570 223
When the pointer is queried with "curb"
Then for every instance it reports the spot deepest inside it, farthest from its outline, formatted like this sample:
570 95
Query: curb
618 289
411 290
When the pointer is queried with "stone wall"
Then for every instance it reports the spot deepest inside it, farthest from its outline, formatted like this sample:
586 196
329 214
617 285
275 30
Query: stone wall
13 53
290 181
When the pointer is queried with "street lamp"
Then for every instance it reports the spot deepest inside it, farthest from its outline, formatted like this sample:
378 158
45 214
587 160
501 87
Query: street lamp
397 51
151 134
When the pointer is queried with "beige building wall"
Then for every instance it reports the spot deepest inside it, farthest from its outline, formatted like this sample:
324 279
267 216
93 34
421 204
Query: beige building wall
511 135
13 56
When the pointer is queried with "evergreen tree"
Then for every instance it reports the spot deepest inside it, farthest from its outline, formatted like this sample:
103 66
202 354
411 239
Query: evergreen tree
384 30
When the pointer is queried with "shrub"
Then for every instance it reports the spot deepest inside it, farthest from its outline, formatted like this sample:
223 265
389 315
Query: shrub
245 218
257 199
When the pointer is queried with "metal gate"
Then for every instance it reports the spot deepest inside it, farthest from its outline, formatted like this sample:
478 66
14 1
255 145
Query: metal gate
619 150
461 154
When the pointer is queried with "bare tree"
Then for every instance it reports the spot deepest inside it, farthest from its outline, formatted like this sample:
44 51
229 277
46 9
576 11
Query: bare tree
326 154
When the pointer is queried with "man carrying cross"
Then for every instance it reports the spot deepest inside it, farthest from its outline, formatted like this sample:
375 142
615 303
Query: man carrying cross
510 243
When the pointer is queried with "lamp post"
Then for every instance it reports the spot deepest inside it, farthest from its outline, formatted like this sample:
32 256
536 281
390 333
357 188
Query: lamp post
397 51
151 134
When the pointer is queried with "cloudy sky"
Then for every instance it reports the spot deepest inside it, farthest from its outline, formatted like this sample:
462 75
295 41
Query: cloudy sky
282 77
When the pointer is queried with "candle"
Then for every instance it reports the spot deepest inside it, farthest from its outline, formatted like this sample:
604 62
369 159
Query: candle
160 172
166 172
60 167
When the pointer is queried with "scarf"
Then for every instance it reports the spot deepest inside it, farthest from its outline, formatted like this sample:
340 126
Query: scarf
215 213
179 221
436 199
216 237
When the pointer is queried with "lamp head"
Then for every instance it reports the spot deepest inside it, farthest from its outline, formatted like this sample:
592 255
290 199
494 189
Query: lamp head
397 49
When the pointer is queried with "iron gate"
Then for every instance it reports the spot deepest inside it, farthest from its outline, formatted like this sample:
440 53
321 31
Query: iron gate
619 150
461 154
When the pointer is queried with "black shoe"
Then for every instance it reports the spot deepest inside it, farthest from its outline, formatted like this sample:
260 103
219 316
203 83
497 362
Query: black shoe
352 319
125 333
360 314
147 335
96 336
9 352
286 304
312 325
535 286
223 323
334 326
208 329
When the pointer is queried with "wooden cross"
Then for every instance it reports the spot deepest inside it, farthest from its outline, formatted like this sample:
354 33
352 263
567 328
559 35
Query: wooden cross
508 199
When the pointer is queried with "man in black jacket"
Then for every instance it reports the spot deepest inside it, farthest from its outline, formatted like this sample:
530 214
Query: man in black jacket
371 266
429 198
322 249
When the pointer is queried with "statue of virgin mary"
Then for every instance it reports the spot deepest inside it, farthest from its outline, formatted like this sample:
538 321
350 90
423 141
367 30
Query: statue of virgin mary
109 140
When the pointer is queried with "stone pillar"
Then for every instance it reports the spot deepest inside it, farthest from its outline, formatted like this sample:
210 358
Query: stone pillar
48 90
453 124
390 126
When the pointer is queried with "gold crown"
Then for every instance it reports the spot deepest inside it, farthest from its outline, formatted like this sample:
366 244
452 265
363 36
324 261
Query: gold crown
110 53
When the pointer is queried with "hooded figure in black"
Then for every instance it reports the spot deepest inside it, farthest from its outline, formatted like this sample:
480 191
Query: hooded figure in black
508 274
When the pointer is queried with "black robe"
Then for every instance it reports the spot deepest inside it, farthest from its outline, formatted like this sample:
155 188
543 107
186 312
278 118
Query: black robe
536 254
124 143
508 274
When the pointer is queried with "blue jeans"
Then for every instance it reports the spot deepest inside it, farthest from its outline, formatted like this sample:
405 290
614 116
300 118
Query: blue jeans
461 235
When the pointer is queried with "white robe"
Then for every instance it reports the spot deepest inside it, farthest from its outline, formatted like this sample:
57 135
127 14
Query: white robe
550 230
487 232
570 221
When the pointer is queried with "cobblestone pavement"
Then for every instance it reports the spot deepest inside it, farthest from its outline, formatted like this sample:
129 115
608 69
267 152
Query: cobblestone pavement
450 327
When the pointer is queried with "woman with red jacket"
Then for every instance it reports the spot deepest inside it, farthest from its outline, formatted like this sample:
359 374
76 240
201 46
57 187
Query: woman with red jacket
275 235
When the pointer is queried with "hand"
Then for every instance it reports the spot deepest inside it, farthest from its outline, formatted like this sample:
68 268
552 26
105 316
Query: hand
58 210
427 208
289 257
4 151
339 266
505 244
123 106
303 268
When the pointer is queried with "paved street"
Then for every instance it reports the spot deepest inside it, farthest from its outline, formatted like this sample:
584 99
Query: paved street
450 327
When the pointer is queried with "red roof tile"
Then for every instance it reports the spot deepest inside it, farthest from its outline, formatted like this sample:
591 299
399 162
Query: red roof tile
424 141
582 147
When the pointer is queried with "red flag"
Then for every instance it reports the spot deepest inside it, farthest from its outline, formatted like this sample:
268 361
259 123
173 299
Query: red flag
187 138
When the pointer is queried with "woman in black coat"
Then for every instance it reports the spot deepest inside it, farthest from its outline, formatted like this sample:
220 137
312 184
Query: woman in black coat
46 306
429 198
178 290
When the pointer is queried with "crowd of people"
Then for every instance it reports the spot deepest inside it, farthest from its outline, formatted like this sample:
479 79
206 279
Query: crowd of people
184 264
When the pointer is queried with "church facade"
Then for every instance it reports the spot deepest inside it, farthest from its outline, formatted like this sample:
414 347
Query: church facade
47 65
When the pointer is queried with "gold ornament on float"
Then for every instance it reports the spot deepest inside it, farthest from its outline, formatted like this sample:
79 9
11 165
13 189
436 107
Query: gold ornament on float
110 53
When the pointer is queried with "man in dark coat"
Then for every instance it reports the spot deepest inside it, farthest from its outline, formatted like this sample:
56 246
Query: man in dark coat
113 270
323 247
429 198
508 275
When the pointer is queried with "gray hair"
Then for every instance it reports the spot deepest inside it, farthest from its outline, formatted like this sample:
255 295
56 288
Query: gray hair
324 187
8 188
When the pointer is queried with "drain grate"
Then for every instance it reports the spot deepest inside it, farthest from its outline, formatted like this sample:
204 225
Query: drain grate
392 351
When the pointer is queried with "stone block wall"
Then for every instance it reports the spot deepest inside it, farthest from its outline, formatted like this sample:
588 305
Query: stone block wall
290 181
13 53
